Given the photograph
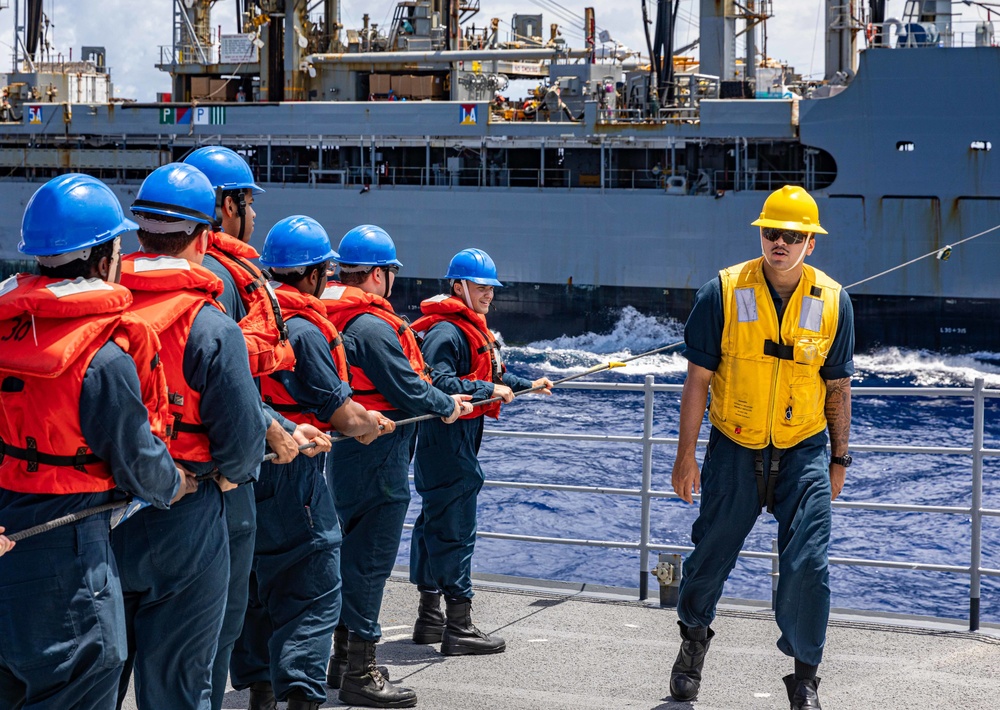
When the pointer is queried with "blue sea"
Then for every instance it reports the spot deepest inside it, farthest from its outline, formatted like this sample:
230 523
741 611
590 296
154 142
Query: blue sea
921 479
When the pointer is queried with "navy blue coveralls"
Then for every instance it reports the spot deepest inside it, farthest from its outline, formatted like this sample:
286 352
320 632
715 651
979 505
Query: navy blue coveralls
175 564
730 503
241 517
62 623
447 472
369 483
287 635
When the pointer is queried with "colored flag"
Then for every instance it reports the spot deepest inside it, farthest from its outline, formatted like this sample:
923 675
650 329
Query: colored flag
468 114
209 115
199 115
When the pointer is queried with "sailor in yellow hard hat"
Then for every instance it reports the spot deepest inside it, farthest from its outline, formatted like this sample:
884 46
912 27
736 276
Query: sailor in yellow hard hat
774 338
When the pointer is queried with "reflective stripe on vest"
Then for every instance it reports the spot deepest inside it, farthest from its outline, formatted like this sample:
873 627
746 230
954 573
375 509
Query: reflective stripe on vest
343 305
767 388
294 304
50 330
484 350
263 326
168 293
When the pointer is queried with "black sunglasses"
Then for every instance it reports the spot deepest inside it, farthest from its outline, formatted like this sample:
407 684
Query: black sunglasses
790 236
393 268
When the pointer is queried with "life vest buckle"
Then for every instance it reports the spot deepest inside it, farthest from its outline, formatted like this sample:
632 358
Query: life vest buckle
31 454
782 352
81 459
766 489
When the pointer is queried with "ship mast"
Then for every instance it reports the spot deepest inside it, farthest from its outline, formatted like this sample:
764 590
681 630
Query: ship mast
718 26
331 25
27 31
193 24
842 26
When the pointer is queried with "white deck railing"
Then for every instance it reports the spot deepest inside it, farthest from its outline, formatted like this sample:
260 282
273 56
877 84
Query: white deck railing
974 510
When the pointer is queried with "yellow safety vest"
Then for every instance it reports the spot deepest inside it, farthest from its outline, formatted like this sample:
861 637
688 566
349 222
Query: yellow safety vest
767 387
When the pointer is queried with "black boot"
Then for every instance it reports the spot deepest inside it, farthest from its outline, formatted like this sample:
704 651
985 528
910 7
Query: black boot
363 684
685 676
461 637
802 692
262 696
338 661
301 704
430 622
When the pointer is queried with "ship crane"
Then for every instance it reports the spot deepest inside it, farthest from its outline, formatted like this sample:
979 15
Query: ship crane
40 75
30 30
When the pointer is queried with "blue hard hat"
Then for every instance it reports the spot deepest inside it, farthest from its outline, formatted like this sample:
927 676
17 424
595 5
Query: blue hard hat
177 190
296 241
225 168
69 213
367 245
473 265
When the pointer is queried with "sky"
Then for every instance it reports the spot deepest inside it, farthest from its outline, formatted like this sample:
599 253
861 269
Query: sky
133 31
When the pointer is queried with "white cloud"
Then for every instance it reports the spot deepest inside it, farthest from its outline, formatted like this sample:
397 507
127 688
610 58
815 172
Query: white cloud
134 30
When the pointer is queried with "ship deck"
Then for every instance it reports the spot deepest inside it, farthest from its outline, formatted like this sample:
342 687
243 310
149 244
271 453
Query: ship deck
573 646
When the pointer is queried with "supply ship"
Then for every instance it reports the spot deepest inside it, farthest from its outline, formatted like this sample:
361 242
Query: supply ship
612 181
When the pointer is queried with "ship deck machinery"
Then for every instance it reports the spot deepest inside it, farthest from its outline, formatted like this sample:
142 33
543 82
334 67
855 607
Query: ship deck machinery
594 193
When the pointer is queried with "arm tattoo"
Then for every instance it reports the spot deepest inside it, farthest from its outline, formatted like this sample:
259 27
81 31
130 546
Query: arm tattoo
838 414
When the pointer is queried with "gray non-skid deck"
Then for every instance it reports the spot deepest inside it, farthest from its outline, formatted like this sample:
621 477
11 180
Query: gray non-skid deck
573 648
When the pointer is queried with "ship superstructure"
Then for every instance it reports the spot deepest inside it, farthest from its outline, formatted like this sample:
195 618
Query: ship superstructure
611 182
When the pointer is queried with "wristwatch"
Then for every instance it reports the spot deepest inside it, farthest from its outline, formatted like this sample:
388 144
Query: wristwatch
844 460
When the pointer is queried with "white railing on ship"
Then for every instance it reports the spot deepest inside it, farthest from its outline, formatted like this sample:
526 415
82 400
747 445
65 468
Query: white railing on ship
975 510
768 180
961 33
498 176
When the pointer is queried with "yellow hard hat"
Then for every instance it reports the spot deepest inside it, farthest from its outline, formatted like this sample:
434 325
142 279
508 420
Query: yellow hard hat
791 207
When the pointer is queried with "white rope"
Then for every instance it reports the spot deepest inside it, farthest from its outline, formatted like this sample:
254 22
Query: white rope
925 256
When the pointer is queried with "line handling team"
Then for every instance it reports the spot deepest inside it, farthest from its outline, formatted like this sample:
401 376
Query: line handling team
166 375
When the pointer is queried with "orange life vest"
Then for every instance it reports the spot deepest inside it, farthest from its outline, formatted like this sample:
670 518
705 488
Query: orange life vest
50 331
343 305
263 326
484 350
295 303
168 293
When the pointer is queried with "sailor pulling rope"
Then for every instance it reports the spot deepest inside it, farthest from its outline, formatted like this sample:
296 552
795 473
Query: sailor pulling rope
942 254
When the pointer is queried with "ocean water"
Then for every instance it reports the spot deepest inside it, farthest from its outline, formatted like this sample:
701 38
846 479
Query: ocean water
874 477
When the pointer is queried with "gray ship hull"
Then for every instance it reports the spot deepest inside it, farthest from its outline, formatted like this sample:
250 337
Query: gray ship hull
571 255
570 260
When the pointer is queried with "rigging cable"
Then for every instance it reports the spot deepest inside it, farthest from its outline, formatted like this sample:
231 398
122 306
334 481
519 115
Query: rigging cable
941 253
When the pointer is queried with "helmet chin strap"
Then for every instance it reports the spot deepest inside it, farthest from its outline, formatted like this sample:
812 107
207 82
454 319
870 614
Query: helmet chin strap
385 289
465 291
802 254
241 209
318 289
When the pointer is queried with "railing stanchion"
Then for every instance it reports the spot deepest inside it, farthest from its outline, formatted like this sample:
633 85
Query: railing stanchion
647 485
774 575
976 558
